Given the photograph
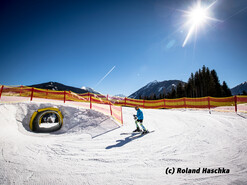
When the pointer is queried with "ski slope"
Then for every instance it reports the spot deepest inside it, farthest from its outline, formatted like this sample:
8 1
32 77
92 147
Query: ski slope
92 148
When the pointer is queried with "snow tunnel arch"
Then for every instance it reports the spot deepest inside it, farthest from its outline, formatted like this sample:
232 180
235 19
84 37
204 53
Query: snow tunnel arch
46 120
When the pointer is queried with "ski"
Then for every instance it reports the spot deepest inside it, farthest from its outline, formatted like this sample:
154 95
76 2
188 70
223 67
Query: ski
147 132
136 133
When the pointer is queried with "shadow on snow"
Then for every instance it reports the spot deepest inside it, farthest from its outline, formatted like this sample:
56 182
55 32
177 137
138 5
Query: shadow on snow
123 142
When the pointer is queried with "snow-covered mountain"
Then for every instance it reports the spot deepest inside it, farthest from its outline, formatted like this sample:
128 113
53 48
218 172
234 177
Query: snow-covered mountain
239 88
120 95
156 88
61 87
89 89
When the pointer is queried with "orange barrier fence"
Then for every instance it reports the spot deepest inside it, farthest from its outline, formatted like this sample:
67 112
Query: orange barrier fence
97 100
202 103
96 103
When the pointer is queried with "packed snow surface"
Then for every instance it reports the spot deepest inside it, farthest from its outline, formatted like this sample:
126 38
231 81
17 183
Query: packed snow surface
91 148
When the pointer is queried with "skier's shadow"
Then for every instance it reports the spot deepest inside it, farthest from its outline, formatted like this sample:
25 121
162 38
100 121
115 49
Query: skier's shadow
123 142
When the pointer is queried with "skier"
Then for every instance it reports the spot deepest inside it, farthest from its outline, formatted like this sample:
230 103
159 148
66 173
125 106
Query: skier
139 119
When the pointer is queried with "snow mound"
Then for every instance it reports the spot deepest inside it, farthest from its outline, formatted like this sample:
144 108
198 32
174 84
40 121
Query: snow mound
75 120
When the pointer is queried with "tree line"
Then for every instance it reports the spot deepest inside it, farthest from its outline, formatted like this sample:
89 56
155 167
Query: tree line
200 84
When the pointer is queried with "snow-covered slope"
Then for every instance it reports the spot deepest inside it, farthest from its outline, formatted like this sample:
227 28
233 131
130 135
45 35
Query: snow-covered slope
113 155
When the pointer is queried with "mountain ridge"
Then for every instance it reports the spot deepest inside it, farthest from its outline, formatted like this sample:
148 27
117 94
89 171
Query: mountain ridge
61 87
238 89
156 88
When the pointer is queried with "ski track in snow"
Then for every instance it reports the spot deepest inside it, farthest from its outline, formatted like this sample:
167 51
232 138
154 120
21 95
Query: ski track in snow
92 149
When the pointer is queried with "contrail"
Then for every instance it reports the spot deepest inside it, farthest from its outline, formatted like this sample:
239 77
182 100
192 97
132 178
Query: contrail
105 76
236 13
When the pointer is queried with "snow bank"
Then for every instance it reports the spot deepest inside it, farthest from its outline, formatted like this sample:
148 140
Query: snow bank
81 121
181 139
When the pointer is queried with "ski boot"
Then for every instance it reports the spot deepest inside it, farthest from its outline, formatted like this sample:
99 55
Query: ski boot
144 132
137 130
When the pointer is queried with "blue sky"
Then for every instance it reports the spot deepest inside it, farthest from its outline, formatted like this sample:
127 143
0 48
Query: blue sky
78 42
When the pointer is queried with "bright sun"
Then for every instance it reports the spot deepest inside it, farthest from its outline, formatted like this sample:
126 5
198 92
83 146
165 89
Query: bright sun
197 17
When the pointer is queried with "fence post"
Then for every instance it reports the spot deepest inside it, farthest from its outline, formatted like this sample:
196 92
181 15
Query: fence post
90 97
143 103
125 101
164 103
1 91
236 103
32 94
64 99
21 89
110 109
122 114
185 102
109 103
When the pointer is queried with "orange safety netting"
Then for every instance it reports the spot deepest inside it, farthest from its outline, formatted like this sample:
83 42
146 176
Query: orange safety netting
241 99
96 102
109 105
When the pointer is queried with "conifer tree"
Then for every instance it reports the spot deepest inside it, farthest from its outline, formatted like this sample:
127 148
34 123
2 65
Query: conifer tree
226 90
203 83
218 88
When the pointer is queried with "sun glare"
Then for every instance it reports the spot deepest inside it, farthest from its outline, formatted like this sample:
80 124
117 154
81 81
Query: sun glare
197 17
